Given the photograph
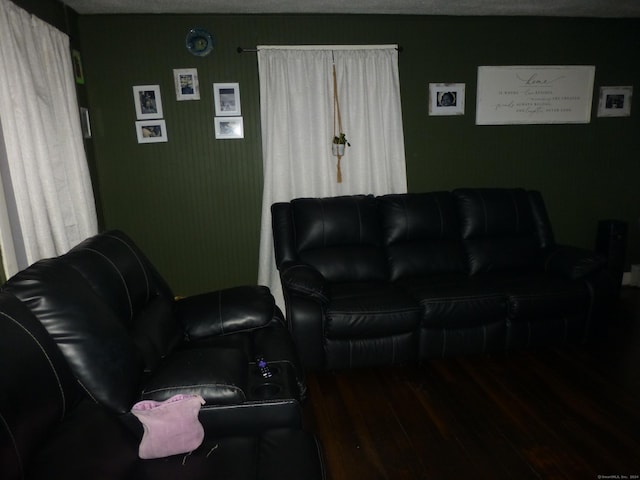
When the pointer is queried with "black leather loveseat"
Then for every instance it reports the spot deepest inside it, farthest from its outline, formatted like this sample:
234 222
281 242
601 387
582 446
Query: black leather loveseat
405 277
86 335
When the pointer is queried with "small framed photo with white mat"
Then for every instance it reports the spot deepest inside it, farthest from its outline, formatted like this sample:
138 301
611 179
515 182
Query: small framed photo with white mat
446 98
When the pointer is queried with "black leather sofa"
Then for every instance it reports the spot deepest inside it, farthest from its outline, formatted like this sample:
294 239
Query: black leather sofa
406 277
86 335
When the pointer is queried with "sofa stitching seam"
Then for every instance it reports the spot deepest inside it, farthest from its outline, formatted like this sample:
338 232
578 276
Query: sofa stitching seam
140 263
124 282
15 445
46 355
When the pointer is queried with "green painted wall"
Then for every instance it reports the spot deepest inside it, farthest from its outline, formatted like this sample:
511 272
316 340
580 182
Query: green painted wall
193 204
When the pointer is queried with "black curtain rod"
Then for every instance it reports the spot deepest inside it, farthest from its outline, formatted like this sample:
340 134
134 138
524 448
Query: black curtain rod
254 50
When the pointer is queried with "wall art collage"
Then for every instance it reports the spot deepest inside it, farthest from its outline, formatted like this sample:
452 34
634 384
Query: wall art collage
151 126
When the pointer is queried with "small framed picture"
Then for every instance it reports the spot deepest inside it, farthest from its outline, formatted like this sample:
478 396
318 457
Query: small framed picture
615 102
186 81
151 131
78 71
229 127
227 99
85 123
446 98
147 101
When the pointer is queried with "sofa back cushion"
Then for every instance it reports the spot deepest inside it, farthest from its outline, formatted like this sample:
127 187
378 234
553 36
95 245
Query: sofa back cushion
122 276
98 348
340 237
422 234
36 386
499 229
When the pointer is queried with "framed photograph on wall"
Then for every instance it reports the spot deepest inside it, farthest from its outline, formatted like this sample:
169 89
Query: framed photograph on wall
446 98
151 131
229 127
78 71
227 99
615 102
147 101
186 82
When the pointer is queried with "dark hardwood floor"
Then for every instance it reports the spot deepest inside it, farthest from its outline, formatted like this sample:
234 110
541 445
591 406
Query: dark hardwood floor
564 413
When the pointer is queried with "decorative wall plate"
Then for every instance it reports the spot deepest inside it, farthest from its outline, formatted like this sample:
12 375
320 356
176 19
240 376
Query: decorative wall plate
199 42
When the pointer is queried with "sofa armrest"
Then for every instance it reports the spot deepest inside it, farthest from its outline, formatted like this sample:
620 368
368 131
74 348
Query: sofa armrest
226 311
573 262
304 280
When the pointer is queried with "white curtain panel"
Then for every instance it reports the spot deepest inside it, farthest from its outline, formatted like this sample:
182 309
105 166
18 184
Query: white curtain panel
297 113
40 124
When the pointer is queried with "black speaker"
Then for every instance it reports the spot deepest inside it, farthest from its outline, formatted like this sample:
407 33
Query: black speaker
611 242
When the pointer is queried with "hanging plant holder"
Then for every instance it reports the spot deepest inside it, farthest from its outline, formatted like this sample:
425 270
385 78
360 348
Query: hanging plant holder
339 143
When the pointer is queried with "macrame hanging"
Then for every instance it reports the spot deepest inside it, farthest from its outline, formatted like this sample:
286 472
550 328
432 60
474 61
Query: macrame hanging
339 140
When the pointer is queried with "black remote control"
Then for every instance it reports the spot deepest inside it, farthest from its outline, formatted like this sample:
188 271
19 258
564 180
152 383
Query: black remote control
263 366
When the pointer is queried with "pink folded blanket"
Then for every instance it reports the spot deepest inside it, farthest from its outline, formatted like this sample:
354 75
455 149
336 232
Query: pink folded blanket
170 427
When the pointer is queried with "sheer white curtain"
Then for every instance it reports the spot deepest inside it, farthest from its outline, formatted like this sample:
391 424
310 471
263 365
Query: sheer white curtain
297 113
49 203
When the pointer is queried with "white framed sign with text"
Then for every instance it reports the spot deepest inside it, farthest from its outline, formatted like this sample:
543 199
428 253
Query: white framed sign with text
534 94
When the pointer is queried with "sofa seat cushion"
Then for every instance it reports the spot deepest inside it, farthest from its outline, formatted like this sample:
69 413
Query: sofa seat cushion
369 310
456 301
539 296
218 375
273 343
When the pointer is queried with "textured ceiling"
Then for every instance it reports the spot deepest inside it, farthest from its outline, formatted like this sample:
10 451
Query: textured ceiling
567 8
